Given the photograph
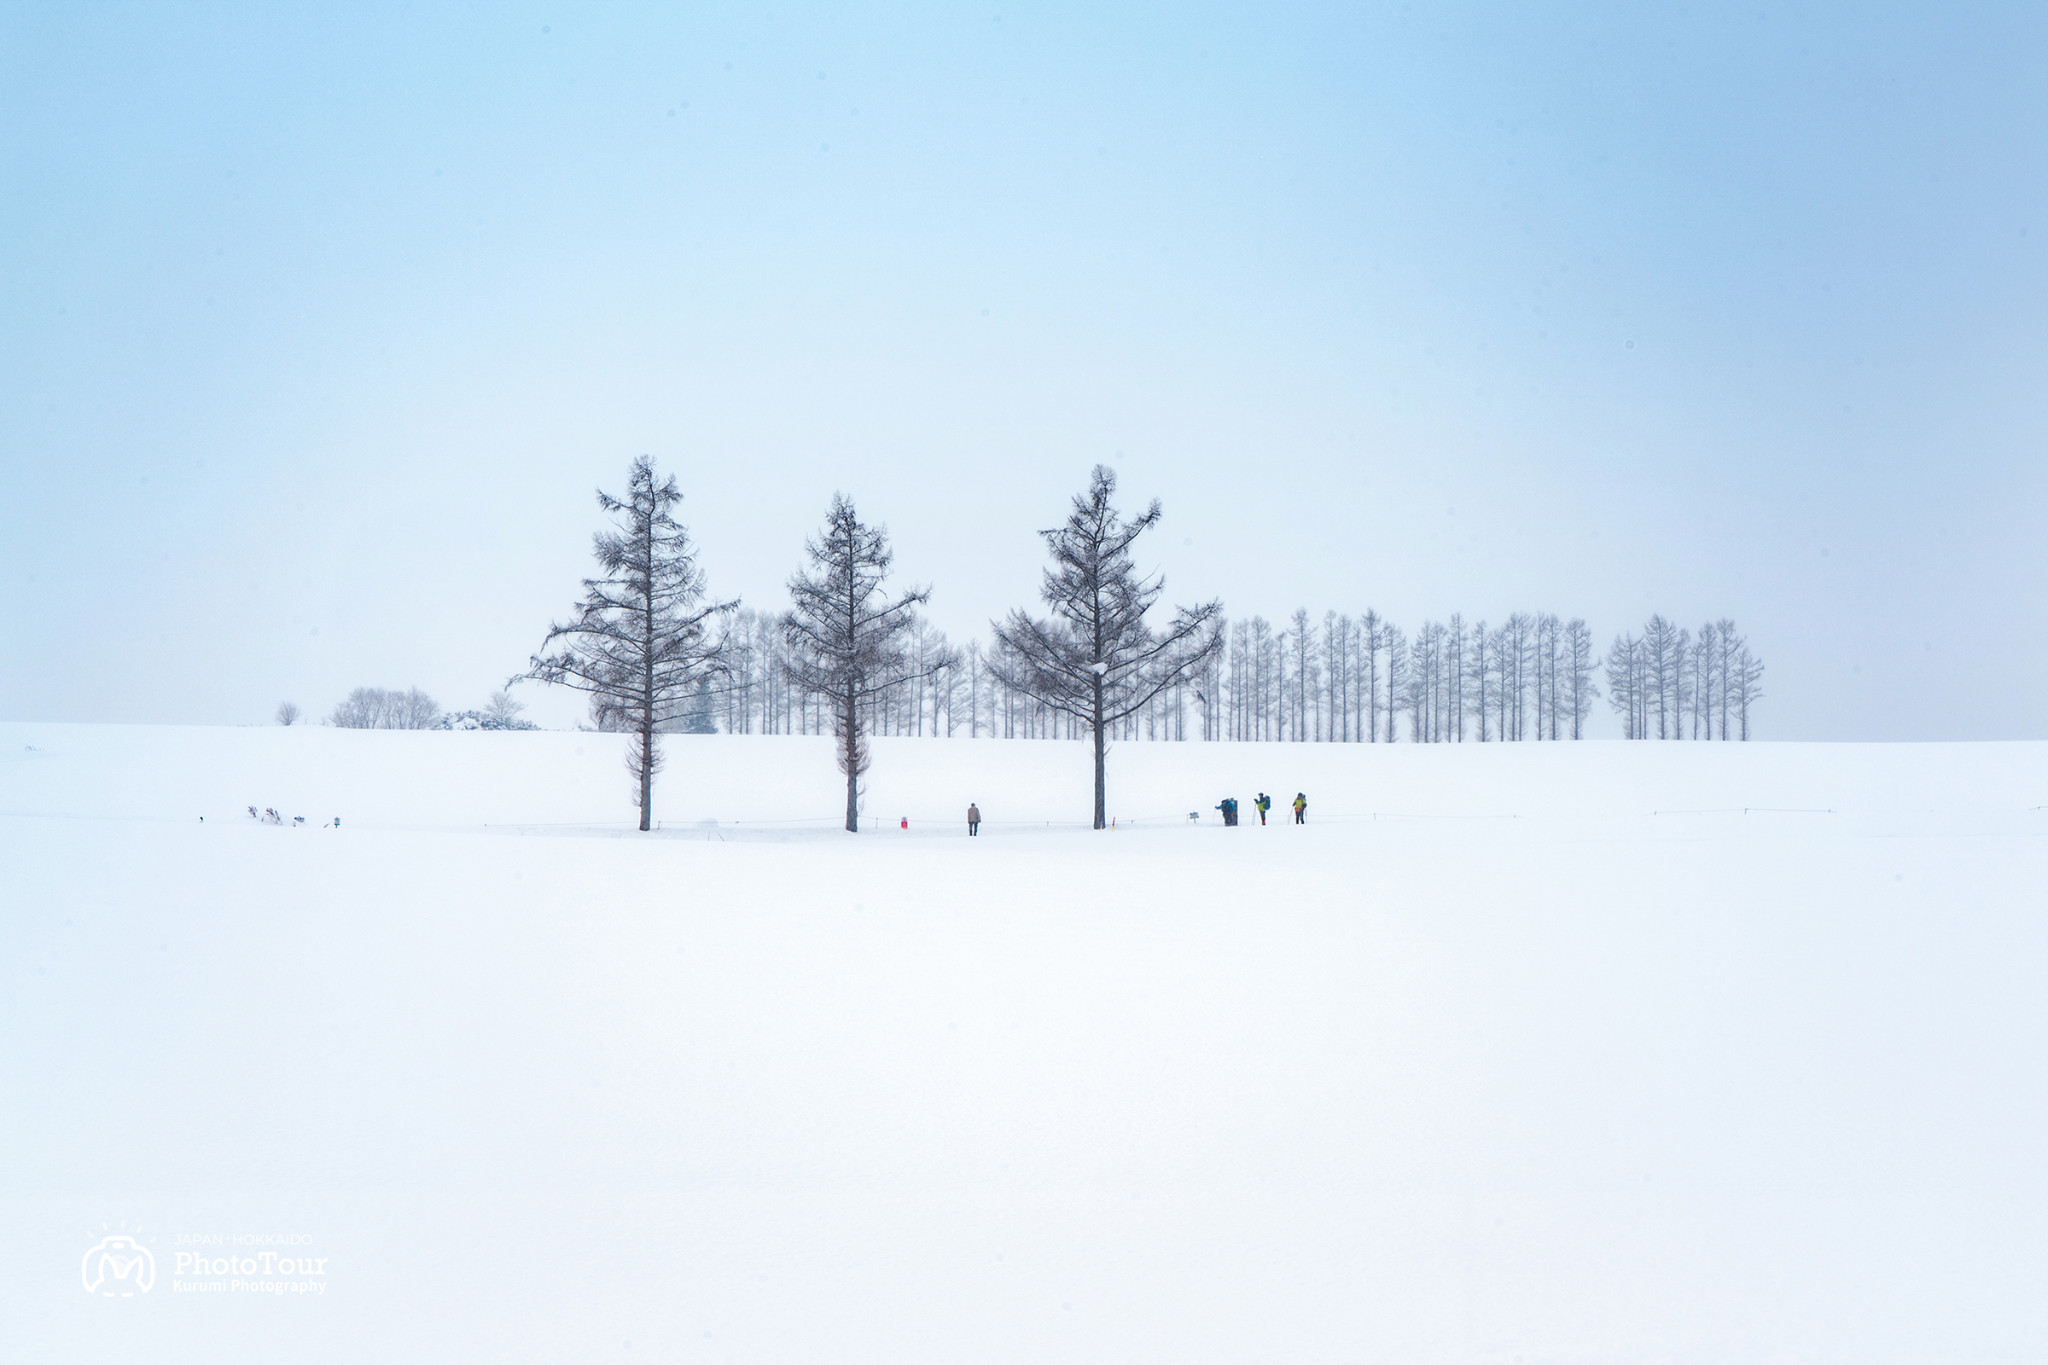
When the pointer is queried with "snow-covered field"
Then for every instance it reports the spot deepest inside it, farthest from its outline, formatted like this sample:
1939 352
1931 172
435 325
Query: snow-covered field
1593 1052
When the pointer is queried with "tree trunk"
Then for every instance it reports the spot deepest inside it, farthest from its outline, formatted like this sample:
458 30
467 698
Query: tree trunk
646 774
647 648
849 740
1101 796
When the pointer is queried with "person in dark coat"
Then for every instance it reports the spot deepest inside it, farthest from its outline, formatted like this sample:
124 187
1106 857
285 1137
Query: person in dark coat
1228 805
973 819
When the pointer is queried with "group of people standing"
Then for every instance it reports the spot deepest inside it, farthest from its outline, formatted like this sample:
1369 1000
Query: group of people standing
1228 805
1263 803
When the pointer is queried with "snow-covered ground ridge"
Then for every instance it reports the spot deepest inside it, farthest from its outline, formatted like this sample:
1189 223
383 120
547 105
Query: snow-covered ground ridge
430 779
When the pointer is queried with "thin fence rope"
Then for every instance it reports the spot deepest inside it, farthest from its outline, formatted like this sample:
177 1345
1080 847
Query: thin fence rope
1752 810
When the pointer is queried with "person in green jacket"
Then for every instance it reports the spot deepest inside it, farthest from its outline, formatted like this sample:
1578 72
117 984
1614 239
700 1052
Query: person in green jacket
1262 804
1300 805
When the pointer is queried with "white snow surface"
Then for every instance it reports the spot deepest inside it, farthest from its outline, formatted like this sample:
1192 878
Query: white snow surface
1542 1052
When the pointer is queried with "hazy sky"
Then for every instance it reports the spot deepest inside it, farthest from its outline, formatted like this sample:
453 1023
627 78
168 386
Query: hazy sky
319 326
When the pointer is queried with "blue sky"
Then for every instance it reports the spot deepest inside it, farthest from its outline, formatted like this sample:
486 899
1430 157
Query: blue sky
319 326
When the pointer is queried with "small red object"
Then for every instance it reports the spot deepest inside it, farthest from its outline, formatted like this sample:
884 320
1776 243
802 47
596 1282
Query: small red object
906 822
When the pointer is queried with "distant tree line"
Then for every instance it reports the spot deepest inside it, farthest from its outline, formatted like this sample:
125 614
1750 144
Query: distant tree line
1345 680
1365 680
1349 680
378 708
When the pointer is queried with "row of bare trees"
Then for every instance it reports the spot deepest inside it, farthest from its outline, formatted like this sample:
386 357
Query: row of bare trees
1341 680
642 641
1365 680
1093 662
853 657
1669 683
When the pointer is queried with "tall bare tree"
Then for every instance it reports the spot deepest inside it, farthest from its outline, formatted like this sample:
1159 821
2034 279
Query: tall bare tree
1578 652
640 642
1372 639
1517 657
1727 645
1705 680
1337 678
1547 644
1664 653
1625 684
845 633
503 708
1485 666
1095 659
1397 674
1302 641
1746 683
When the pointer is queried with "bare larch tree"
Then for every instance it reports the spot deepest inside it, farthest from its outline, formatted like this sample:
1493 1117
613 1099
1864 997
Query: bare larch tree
640 642
1579 673
845 633
1094 658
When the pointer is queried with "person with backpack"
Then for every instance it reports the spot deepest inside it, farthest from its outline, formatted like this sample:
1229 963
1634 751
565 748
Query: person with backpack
1300 805
1262 803
1228 805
